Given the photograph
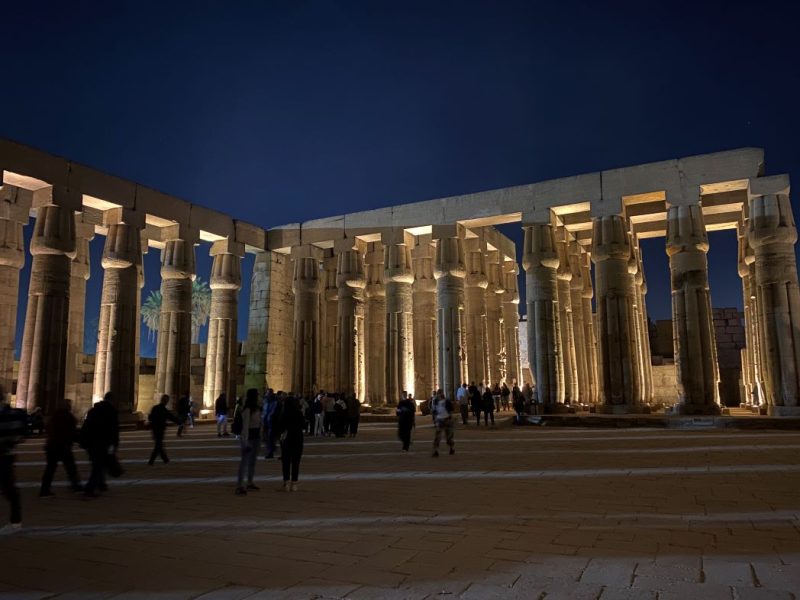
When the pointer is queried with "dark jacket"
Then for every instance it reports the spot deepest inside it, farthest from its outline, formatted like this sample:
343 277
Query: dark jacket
405 413
292 423
488 401
101 427
62 430
182 407
475 398
159 415
221 406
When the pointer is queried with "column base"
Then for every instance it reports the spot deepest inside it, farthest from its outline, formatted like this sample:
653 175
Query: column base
783 411
696 409
622 409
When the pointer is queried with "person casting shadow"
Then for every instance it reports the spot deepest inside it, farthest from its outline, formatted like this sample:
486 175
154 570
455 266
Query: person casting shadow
158 417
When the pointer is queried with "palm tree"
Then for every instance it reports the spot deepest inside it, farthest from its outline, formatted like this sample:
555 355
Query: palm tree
201 308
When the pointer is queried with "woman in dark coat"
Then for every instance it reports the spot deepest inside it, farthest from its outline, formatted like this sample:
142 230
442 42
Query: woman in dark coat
405 420
488 406
290 427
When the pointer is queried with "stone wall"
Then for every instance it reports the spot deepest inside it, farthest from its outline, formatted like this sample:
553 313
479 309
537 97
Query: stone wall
729 331
664 383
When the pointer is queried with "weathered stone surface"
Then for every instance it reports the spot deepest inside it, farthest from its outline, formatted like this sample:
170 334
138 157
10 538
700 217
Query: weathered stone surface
450 271
12 259
423 299
569 358
375 323
350 369
510 303
475 284
306 288
398 277
495 343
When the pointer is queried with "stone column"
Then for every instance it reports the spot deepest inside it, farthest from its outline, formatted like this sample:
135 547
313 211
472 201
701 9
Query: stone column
494 317
44 342
616 319
772 234
640 291
450 271
398 277
306 287
12 259
475 285
375 319
79 275
540 260
175 321
423 299
576 286
115 368
751 353
350 279
328 346
566 327
692 320
589 334
223 322
510 300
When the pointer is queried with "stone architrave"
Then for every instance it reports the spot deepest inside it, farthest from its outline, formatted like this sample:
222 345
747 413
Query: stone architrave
692 319
450 271
43 358
350 279
175 321
423 298
79 275
475 284
375 319
328 342
565 322
618 377
12 258
115 368
306 287
494 317
510 305
640 291
589 333
540 260
576 286
398 277
223 322
772 234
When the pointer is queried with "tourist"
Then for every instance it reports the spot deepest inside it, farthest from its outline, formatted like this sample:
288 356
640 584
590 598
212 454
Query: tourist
353 414
36 421
488 406
405 420
308 415
527 397
13 424
62 431
250 440
158 417
99 436
319 412
496 396
476 400
504 394
329 404
237 410
290 427
339 416
519 405
221 412
268 413
462 398
442 417
183 408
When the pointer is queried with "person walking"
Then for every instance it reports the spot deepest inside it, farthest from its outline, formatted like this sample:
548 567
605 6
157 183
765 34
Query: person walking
13 425
221 412
268 413
158 417
250 440
462 398
62 431
504 395
353 414
290 426
442 417
100 438
476 400
183 408
488 406
405 420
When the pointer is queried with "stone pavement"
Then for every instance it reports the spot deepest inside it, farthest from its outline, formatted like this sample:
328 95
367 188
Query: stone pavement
516 513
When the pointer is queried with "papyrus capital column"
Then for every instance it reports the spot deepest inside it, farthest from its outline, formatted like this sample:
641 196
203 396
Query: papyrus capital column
223 321
643 345
351 281
589 333
306 287
423 292
510 305
565 322
475 284
79 275
329 318
175 321
450 270
375 319
692 319
398 277
44 342
540 260
576 286
494 317
772 234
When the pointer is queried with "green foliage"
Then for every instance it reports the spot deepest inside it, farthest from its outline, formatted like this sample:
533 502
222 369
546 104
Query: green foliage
201 308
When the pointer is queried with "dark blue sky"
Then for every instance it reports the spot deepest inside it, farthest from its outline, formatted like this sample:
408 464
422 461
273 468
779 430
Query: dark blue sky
283 111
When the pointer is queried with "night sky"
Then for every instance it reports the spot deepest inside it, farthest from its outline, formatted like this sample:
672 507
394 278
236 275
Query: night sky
278 112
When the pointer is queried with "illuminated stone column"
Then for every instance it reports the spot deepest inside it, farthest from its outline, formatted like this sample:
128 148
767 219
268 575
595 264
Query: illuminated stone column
540 260
175 320
640 291
450 271
351 282
576 286
616 318
510 307
494 317
116 357
475 285
306 288
751 353
398 277
223 322
772 234
566 329
44 342
692 320
79 275
589 334
13 216
328 345
375 293
423 299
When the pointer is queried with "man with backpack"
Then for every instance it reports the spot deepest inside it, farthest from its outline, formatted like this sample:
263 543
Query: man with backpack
442 411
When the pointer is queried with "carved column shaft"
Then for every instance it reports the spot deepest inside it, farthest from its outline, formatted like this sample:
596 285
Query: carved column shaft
494 318
306 286
576 286
475 285
12 259
375 350
79 275
566 327
450 271
398 276
329 345
751 353
423 299
350 359
511 323
640 310
589 334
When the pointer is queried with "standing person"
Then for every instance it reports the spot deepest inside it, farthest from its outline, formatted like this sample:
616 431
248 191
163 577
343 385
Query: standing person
62 431
290 426
268 413
462 398
405 420
237 410
353 414
100 437
329 402
488 406
519 405
250 441
183 408
221 412
319 414
442 417
339 416
496 396
504 394
158 417
476 399
13 425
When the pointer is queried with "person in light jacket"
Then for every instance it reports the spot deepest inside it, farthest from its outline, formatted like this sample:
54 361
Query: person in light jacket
250 440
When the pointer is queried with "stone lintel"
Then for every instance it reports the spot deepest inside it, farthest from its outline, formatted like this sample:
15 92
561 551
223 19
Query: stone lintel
227 246
179 231
456 230
119 214
396 235
211 221
475 244
279 238
764 186
307 251
349 243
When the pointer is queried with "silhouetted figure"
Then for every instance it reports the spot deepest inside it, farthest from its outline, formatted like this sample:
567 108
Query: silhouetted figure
405 420
249 440
442 411
183 408
462 398
476 400
158 417
290 428
268 415
13 424
100 437
221 412
353 414
62 431
488 406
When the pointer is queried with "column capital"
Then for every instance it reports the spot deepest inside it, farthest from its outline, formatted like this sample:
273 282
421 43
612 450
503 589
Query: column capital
441 232
475 261
53 231
122 248
12 244
449 257
771 221
373 269
120 214
575 266
610 238
563 272
305 274
539 247
494 272
686 230
397 236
